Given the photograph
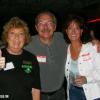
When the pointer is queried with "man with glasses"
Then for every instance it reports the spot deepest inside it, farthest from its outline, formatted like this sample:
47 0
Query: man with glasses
50 49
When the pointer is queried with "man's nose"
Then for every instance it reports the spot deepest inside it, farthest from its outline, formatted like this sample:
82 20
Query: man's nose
46 25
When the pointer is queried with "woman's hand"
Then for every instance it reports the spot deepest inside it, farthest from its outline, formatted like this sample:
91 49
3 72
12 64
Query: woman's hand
80 80
2 61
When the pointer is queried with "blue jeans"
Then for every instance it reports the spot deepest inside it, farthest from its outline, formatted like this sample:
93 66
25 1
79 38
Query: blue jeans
76 93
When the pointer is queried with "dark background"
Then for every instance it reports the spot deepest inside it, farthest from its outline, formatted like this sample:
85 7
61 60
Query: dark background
28 9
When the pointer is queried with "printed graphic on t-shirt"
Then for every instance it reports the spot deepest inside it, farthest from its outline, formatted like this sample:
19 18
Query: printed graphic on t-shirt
27 67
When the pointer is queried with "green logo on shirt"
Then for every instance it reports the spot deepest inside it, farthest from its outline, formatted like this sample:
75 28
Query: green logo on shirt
27 68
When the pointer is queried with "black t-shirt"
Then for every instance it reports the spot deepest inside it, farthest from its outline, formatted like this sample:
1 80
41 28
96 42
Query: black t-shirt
20 75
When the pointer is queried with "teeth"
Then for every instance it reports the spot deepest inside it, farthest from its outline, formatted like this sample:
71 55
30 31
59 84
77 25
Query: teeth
73 35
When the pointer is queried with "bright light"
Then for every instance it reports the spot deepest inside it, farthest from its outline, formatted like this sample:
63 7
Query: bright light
94 20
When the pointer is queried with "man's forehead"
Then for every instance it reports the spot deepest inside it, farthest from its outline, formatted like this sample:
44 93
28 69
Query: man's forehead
46 20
